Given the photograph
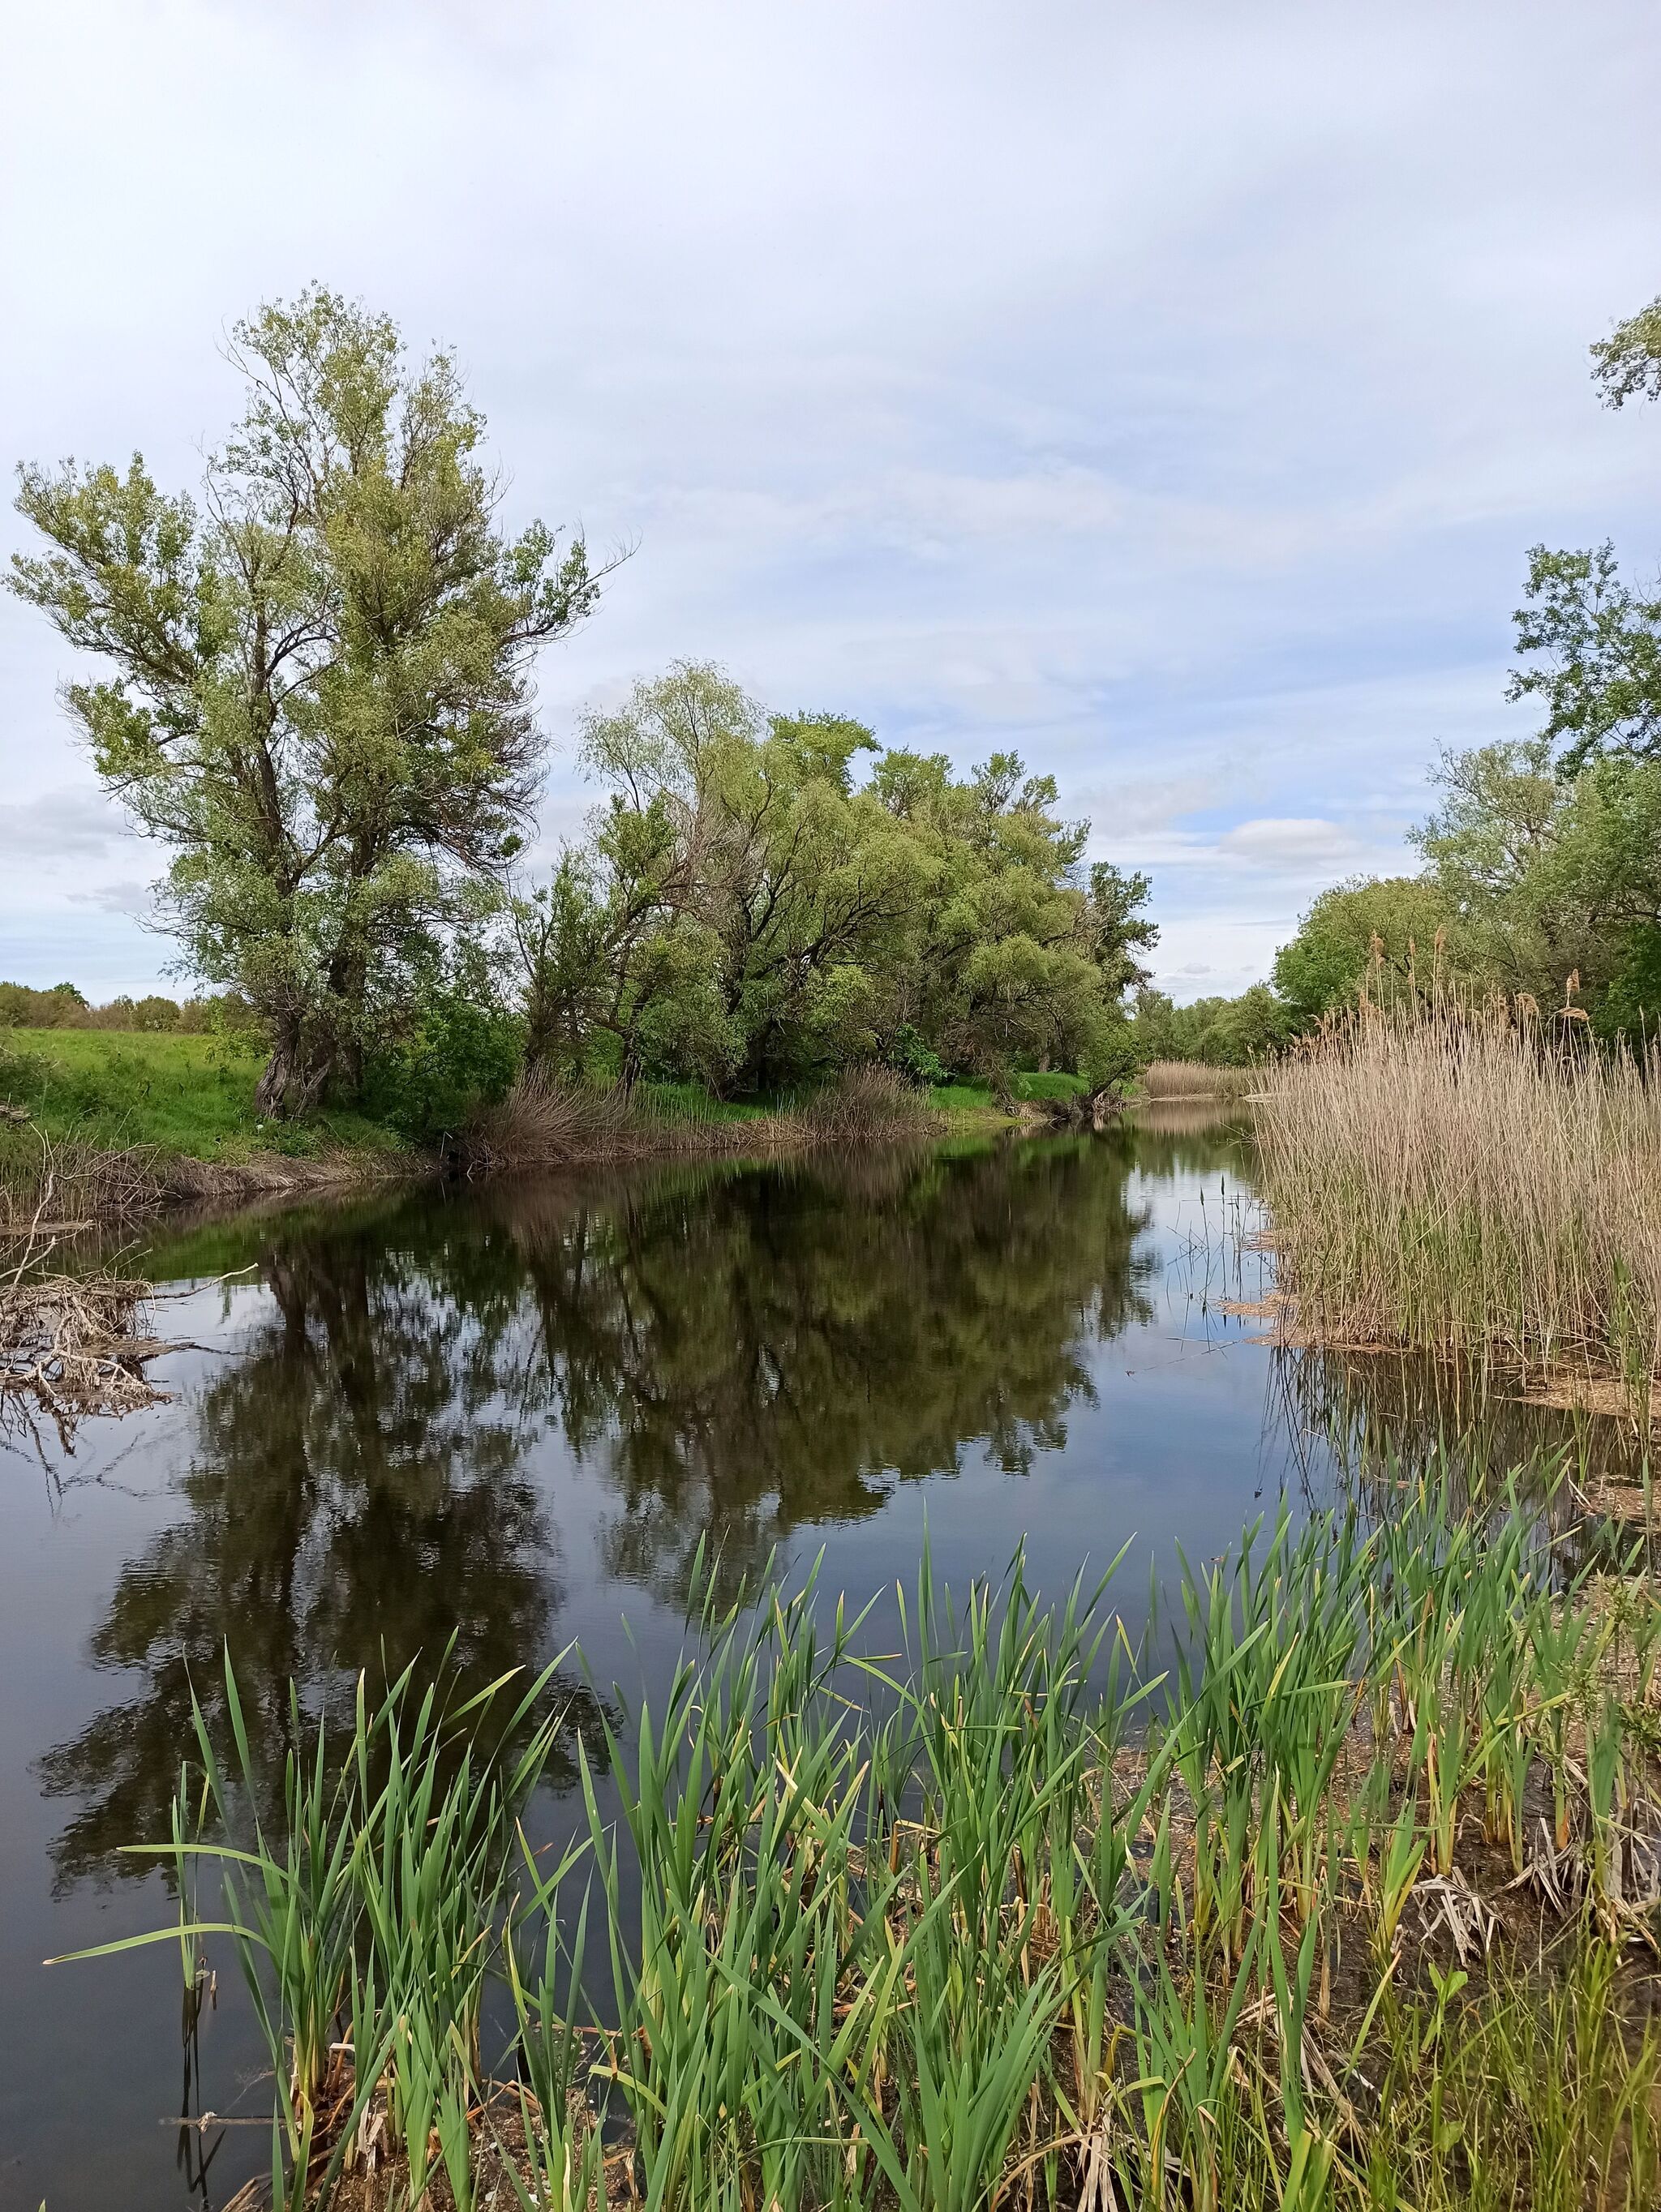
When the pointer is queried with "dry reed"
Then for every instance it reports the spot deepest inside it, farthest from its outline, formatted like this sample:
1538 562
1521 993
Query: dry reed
1195 1079
59 1185
544 1124
1469 1183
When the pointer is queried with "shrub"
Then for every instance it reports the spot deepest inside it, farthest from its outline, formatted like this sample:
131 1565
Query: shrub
460 1055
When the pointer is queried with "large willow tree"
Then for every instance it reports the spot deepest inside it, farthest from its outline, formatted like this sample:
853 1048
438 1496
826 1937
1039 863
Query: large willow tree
319 689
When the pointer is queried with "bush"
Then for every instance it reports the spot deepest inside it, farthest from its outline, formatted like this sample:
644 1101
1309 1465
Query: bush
461 1055
911 1054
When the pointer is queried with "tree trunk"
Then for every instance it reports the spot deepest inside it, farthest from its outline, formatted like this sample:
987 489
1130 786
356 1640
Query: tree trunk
294 1080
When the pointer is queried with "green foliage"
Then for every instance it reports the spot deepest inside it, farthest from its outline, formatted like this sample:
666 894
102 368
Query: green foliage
1590 863
1393 932
912 1055
1595 649
1553 879
943 1924
459 1051
319 691
1543 858
1627 363
1631 1005
743 912
1220 1032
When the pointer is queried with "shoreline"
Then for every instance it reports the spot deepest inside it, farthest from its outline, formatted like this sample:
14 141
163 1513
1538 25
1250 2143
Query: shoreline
104 1186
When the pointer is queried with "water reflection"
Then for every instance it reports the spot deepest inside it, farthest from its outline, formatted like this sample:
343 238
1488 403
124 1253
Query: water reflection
353 1501
742 1354
507 1417
383 1461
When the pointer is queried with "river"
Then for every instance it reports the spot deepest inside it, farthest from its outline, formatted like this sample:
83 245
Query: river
513 1418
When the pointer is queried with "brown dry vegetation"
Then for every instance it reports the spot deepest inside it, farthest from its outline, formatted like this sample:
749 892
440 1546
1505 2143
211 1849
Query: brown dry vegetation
1469 1183
1194 1078
546 1124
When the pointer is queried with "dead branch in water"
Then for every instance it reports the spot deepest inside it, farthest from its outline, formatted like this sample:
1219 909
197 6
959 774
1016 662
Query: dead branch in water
78 1345
73 1345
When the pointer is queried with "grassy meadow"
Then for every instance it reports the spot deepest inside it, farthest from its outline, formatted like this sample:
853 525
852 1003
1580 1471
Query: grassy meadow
1354 1907
186 1094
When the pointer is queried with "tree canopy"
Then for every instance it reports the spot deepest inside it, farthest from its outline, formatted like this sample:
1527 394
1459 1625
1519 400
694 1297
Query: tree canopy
1542 858
746 911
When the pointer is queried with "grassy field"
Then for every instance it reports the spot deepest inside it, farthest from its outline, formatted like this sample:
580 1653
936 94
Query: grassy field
188 1094
977 1097
1350 1913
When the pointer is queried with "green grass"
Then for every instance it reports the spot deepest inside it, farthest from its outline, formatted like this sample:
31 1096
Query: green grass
191 1094
977 1098
689 1102
942 1925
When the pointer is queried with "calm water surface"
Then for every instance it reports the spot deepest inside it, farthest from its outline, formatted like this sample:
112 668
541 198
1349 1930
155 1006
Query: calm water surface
510 1418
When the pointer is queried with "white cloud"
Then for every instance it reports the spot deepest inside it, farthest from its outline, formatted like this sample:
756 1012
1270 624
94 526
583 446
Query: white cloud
126 896
1292 844
71 822
1171 397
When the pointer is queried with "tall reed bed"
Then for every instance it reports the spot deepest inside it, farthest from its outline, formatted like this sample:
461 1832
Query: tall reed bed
1196 1079
1460 1183
1341 1912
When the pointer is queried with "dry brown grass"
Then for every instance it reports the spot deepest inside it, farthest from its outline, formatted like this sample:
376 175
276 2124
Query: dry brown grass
1470 1182
54 1185
1194 1078
547 1124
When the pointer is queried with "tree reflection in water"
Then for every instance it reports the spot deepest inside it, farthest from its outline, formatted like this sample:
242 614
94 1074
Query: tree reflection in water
733 1352
353 1502
742 1354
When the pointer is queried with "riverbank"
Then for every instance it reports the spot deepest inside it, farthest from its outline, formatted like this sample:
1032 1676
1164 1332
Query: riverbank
1354 1909
548 1125
97 1125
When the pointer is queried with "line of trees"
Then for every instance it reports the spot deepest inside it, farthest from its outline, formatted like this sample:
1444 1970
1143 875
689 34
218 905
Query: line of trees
319 699
748 913
65 1006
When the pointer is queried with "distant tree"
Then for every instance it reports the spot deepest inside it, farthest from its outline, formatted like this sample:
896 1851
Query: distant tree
22 1007
1222 1032
1252 1028
321 692
1399 932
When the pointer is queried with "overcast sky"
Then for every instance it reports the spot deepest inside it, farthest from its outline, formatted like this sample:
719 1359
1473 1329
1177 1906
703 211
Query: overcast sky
1168 392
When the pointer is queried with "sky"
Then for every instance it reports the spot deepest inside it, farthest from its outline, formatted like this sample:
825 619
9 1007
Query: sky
1170 393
